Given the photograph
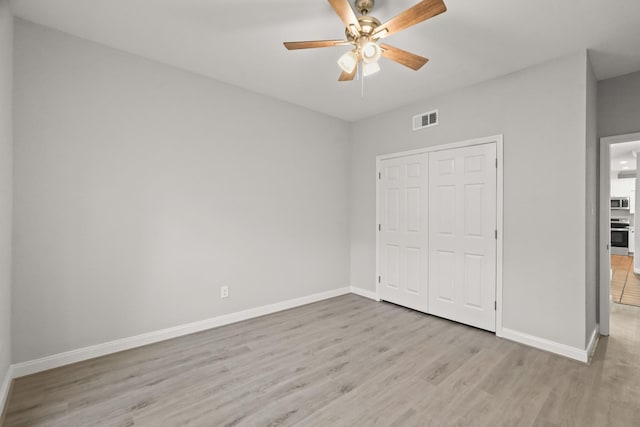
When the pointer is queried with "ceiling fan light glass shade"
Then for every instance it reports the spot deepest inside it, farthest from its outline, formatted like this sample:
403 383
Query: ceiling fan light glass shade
371 52
348 61
370 68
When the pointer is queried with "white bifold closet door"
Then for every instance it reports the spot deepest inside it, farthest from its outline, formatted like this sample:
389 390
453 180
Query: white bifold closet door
462 235
403 253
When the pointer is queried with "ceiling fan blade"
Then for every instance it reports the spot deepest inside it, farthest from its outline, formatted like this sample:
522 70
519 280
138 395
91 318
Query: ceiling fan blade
420 12
347 77
314 44
345 12
408 59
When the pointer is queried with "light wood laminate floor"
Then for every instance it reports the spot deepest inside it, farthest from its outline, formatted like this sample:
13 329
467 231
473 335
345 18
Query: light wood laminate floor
625 284
347 361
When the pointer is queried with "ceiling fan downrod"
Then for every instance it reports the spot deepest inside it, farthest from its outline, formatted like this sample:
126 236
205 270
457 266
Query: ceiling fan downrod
364 6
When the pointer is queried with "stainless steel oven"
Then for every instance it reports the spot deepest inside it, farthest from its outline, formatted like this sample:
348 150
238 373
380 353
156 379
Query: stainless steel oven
619 237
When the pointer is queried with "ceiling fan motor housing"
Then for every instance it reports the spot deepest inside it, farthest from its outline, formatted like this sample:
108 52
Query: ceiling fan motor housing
367 24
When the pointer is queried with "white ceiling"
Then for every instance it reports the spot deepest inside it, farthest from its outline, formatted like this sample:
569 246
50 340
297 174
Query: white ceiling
622 157
240 42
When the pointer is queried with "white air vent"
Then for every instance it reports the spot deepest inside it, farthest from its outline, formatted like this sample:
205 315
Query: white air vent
425 120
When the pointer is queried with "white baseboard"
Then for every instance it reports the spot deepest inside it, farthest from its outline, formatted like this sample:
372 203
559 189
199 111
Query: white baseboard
73 356
547 345
4 389
78 355
365 293
593 342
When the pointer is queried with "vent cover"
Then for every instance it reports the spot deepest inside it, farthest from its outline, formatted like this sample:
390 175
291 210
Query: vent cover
425 120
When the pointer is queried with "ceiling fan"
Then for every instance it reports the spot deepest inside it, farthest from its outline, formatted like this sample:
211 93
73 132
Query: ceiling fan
364 31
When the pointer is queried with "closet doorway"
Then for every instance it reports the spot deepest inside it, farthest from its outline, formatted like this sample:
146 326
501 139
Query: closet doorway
439 237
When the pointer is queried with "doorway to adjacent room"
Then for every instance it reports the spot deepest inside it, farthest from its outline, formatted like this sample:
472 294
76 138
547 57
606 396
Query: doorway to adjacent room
619 279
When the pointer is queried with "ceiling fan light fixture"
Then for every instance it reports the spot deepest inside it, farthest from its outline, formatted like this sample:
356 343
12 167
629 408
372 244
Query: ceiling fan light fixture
348 61
371 52
370 68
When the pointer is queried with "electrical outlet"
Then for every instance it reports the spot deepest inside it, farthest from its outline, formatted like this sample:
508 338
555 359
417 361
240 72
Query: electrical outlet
224 292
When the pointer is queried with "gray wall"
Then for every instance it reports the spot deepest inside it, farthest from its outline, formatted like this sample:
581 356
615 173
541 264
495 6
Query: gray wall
140 189
591 207
6 143
619 105
542 113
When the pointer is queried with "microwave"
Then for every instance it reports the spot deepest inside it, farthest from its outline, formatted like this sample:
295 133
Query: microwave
619 203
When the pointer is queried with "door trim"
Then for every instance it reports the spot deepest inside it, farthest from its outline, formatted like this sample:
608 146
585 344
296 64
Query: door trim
498 140
604 281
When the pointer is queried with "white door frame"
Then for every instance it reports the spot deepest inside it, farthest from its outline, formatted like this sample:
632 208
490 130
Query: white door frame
498 140
604 280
